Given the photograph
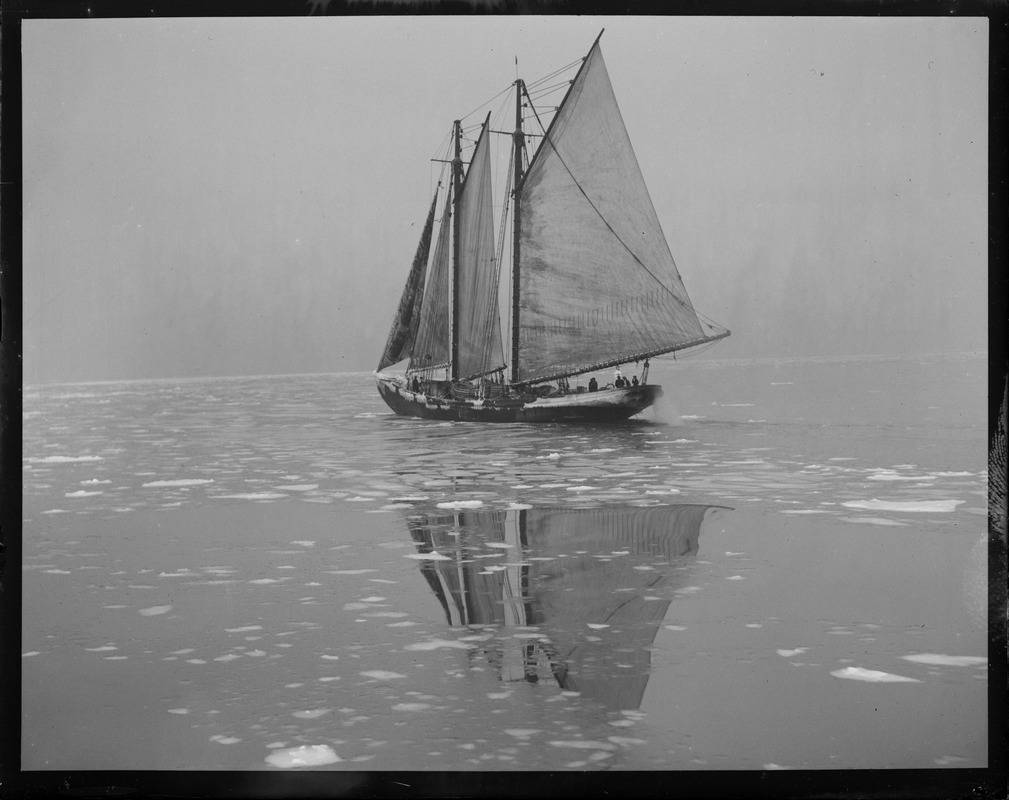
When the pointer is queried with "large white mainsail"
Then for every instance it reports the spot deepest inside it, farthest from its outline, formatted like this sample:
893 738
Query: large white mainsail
598 284
479 325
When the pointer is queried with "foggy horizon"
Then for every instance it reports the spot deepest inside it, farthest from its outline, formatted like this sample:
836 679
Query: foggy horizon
241 197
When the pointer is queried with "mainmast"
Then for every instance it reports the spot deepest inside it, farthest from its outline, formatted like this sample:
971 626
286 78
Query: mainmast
519 145
456 191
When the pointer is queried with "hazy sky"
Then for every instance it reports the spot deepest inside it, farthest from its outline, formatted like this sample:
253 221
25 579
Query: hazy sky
244 196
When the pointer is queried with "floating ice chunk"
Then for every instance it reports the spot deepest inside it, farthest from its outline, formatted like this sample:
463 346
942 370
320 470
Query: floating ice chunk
387 614
301 487
435 644
330 658
244 629
875 521
253 496
228 657
225 739
305 756
178 482
461 504
499 695
31 653
871 675
522 733
184 652
771 765
349 571
94 481
64 459
154 611
913 506
178 711
372 599
314 713
890 475
410 706
597 625
82 493
498 544
382 675
946 661
790 653
434 555
264 581
952 474
675 627
101 649
304 543
56 571
580 488
584 744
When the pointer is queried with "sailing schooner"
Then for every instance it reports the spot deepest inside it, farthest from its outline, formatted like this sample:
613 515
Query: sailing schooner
593 284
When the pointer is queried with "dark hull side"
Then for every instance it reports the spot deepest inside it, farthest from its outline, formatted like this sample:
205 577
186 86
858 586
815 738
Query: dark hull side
607 405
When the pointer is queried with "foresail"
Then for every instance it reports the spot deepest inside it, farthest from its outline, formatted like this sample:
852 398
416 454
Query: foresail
598 284
399 344
479 326
431 348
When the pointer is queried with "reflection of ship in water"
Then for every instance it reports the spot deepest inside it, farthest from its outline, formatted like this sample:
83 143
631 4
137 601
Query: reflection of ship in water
575 596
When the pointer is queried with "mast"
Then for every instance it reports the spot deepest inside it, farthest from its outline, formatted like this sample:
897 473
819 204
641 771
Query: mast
519 145
456 190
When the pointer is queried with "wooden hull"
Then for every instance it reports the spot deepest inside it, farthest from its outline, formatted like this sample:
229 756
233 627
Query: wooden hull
606 405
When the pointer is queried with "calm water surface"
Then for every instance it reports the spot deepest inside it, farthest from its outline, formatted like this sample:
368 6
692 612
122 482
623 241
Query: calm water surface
782 566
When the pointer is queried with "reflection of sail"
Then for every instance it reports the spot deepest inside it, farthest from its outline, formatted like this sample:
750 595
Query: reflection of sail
594 583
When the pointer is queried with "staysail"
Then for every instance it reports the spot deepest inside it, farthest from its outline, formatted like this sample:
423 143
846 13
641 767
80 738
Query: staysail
598 284
399 344
431 348
479 326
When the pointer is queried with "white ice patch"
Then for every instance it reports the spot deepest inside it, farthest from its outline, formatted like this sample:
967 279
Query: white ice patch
946 661
874 521
913 506
435 644
253 496
314 713
301 487
411 706
461 504
178 482
304 543
498 544
790 653
101 649
382 675
305 756
871 675
244 629
434 555
585 744
64 459
82 493
154 611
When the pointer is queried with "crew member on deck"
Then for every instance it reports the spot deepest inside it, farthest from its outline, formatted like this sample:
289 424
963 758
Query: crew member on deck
618 378
593 384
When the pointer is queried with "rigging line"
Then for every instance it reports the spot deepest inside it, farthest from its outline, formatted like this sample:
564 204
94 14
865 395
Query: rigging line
555 73
486 102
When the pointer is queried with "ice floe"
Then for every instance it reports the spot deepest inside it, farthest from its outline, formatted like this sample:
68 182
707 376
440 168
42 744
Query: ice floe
178 482
435 644
790 653
871 675
434 555
382 674
314 713
314 755
64 459
253 496
154 611
461 504
941 660
82 493
907 506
